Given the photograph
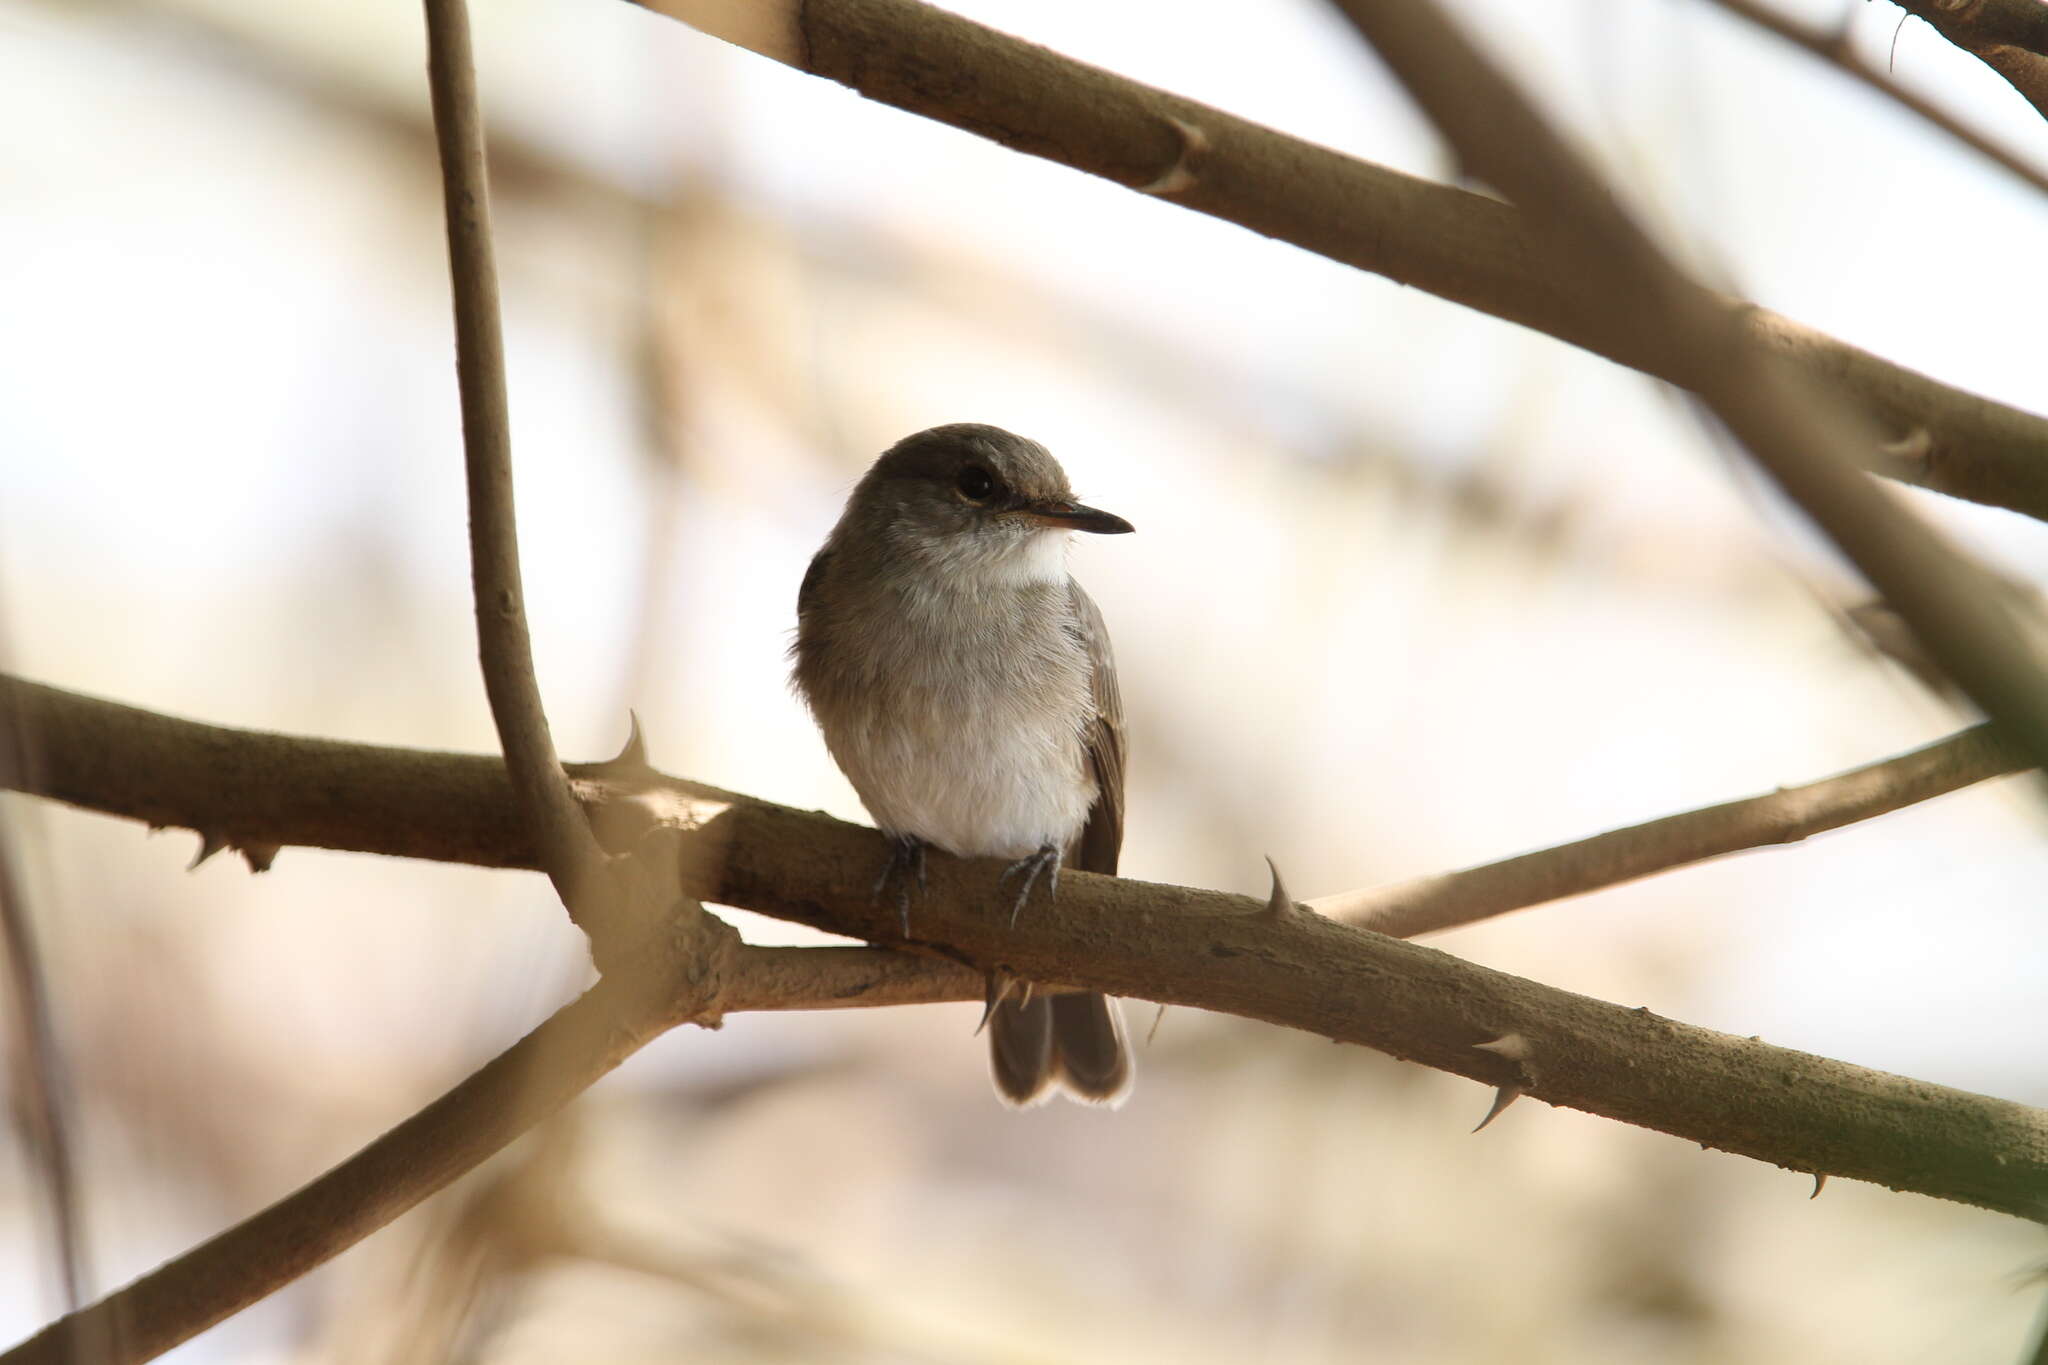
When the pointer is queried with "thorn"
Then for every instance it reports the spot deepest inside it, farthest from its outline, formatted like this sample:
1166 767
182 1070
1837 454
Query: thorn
1502 1098
1279 903
1820 1180
633 756
260 856
209 844
1153 1032
1024 995
1512 1046
1000 984
1178 176
155 828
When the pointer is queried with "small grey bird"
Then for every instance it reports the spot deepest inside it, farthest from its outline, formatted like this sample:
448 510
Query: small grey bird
963 682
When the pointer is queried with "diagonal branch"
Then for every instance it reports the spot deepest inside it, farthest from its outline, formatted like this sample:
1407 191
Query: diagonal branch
1463 247
260 1255
1807 442
1832 46
1785 816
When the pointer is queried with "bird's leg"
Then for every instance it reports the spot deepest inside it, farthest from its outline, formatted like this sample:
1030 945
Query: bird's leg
905 865
1047 862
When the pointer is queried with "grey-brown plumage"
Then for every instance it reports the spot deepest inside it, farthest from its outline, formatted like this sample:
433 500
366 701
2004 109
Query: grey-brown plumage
964 683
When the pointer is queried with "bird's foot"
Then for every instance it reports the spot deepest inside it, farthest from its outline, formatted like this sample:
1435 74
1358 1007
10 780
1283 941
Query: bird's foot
1046 863
905 865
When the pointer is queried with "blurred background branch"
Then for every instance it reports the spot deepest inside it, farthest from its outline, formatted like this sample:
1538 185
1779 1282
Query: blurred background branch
1832 45
2009 36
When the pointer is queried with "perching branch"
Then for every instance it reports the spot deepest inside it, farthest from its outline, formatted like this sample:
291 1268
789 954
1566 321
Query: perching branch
568 853
2009 36
1785 816
1832 46
1463 247
1165 943
1803 438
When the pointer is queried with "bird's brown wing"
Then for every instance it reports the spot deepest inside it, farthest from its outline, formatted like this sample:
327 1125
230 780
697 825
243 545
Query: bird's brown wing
1096 848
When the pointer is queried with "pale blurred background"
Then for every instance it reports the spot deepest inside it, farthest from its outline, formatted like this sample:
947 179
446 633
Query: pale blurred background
1412 589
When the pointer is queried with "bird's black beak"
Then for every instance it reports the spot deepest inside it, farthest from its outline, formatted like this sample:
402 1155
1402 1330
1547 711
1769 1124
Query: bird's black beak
1074 517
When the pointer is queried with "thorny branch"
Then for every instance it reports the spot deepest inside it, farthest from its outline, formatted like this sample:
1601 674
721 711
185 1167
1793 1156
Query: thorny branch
1165 943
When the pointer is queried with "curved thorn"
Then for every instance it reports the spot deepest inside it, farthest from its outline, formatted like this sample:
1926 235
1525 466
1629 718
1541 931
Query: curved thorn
633 754
1820 1180
209 844
1000 984
1502 1098
1279 903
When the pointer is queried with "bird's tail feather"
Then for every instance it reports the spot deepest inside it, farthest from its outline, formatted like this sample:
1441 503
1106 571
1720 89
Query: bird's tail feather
1074 1041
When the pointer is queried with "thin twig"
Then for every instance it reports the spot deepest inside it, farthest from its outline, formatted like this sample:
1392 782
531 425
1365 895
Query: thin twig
2009 36
1803 438
1428 904
1467 248
1831 45
569 854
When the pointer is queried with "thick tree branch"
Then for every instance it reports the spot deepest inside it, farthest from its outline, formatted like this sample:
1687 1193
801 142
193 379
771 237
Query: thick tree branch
1463 247
568 853
2009 36
1785 816
1832 46
1165 943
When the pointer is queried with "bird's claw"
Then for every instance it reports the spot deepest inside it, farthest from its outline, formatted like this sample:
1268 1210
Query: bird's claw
1047 862
905 865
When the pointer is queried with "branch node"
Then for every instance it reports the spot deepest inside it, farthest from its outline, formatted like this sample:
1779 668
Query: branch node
1180 175
1912 448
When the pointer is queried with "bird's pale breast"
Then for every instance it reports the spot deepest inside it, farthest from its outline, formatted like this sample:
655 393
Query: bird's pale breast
970 739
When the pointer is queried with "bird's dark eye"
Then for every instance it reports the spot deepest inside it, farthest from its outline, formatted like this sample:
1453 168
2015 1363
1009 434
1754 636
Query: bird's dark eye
976 483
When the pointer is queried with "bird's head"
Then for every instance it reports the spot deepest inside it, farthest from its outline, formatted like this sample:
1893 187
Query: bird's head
976 498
